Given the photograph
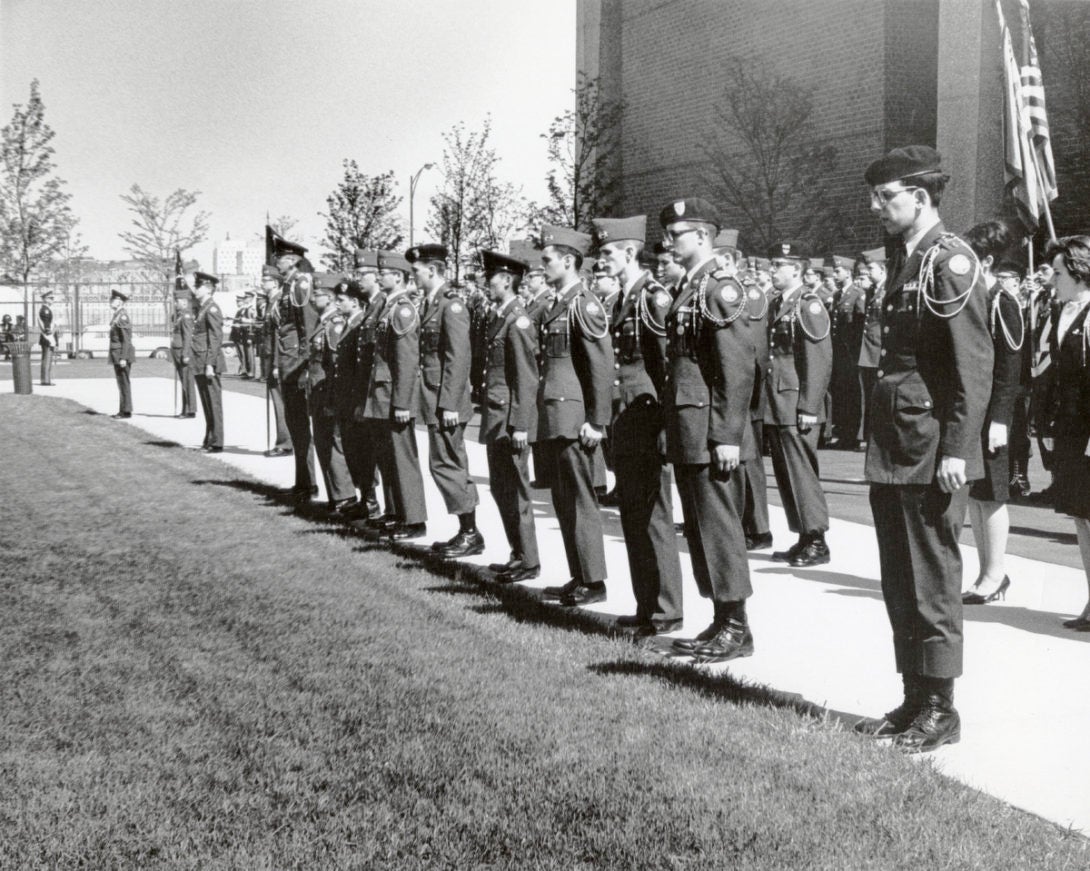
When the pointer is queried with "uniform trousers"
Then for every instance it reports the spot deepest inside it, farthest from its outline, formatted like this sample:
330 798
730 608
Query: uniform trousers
795 465
188 384
297 418
449 467
47 365
124 387
868 377
330 450
712 506
541 464
276 396
509 481
847 395
246 357
645 497
755 508
917 527
571 473
362 441
208 388
407 483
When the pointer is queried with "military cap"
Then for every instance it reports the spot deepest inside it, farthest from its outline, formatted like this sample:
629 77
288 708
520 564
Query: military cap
427 253
789 249
690 210
828 272
324 282
249 291
1008 267
900 163
119 294
200 278
662 247
726 239
840 262
573 239
270 272
391 260
366 258
46 294
495 261
620 229
815 264
282 247
351 288
524 250
762 264
874 255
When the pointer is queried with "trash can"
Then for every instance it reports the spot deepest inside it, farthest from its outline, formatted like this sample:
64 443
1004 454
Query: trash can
20 366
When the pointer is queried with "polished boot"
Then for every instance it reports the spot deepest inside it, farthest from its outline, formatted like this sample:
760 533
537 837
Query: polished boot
403 531
719 619
785 556
971 597
936 723
759 541
558 592
900 718
383 521
512 564
815 552
651 628
732 641
468 542
522 573
585 594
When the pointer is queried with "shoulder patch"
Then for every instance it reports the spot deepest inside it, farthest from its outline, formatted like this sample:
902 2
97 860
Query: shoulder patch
662 298
214 309
522 322
456 307
404 311
959 264
729 294
592 308
815 308
754 293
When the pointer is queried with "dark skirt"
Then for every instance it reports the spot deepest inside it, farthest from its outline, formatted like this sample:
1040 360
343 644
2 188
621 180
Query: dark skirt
995 486
1071 477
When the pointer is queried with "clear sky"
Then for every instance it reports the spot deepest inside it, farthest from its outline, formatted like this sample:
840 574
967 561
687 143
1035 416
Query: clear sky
255 103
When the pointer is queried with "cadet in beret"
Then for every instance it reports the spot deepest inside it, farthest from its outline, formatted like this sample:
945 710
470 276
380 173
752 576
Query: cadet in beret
797 379
928 409
644 487
181 349
392 397
267 312
47 338
709 387
293 320
668 272
871 346
574 404
208 360
509 414
122 353
443 399
848 316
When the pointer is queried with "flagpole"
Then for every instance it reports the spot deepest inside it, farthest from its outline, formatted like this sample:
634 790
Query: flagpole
1044 197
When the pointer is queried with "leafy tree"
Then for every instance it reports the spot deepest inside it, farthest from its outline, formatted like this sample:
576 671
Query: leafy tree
362 214
766 163
36 221
285 226
583 148
162 227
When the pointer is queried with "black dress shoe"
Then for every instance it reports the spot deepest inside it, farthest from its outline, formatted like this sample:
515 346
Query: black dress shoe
785 556
467 543
441 545
688 645
759 542
937 723
522 573
213 449
279 452
381 522
558 592
814 553
1079 624
403 531
631 621
733 641
509 566
656 627
584 594
344 507
121 415
304 494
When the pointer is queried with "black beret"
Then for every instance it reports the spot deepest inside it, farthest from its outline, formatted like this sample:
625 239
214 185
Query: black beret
688 210
912 160
495 261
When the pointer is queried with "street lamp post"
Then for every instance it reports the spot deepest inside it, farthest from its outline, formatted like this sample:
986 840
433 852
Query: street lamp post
412 193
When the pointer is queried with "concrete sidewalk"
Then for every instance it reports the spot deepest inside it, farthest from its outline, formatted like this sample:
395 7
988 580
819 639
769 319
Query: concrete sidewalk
821 633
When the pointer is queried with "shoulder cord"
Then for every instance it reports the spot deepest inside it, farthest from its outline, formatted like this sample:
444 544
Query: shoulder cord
397 301
802 324
644 311
574 314
997 317
291 293
702 301
927 282
764 307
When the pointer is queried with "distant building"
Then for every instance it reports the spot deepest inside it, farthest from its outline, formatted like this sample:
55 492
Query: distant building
238 263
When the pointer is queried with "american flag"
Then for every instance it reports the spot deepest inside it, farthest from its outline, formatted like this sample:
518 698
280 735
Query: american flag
1033 94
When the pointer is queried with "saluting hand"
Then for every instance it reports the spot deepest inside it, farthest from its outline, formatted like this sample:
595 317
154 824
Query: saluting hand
589 436
951 474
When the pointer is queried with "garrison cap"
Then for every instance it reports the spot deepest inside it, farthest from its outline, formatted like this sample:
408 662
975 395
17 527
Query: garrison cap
620 229
840 262
496 261
551 235
815 264
282 247
726 239
270 272
901 163
874 255
391 260
789 249
366 258
324 282
118 293
427 253
200 278
762 264
690 209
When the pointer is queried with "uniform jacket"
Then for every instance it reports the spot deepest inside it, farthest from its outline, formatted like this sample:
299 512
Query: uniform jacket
509 390
1067 394
348 388
712 359
46 338
395 367
267 313
849 316
800 358
757 302
577 366
871 343
445 357
121 347
1008 340
322 344
638 328
292 325
181 333
935 374
207 341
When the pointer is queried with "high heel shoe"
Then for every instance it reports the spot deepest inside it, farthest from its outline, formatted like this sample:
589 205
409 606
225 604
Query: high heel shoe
973 598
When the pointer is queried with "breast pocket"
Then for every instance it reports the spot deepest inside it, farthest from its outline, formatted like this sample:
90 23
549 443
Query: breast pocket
915 427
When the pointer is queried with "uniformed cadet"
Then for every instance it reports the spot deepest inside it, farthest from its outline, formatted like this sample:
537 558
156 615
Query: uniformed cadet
270 293
246 323
122 353
47 338
668 272
322 343
509 414
644 487
574 404
208 360
539 297
797 377
709 387
392 398
7 336
181 349
348 393
928 408
443 399
848 315
605 287
293 320
871 345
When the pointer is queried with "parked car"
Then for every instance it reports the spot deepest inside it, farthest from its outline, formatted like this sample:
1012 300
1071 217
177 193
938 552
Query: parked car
95 342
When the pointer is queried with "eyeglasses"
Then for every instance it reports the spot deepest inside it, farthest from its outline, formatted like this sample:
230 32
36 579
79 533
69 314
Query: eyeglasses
674 235
885 196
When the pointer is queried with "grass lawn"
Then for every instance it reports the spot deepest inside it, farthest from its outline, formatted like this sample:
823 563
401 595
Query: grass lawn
193 677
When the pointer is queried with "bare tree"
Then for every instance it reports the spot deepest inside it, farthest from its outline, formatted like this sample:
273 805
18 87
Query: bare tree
36 221
162 227
766 163
362 214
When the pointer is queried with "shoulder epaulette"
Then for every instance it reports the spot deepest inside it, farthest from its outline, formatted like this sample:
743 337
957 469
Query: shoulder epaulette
728 293
403 316
812 316
1013 333
585 310
654 298
962 260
